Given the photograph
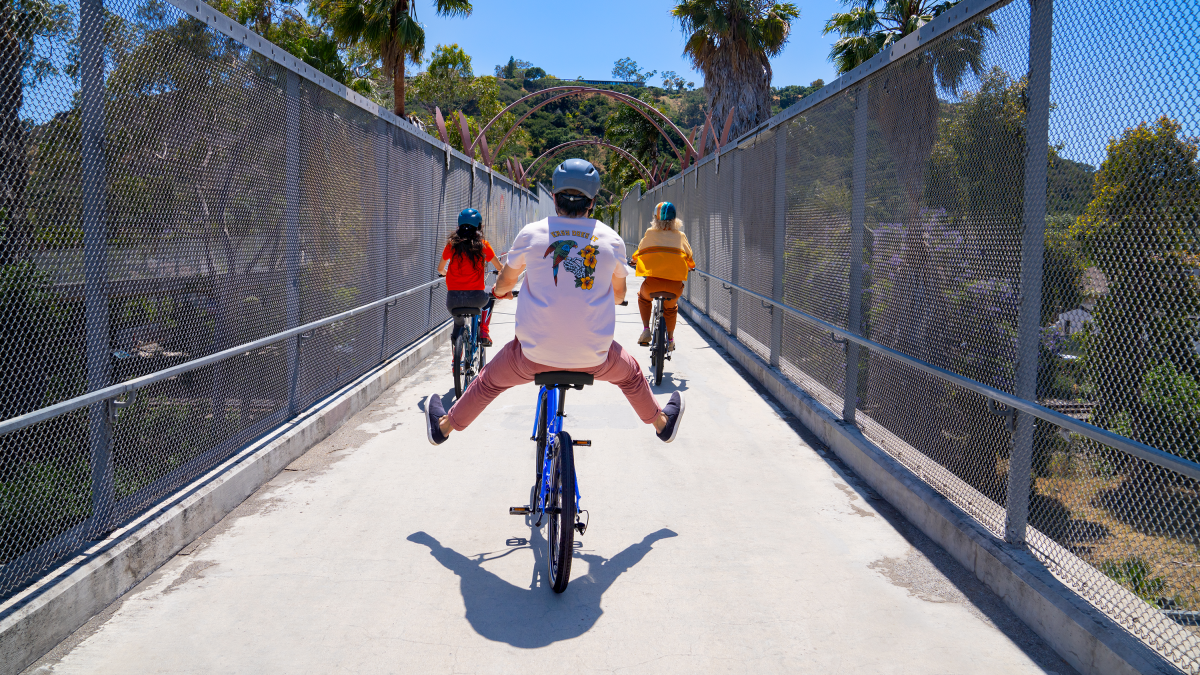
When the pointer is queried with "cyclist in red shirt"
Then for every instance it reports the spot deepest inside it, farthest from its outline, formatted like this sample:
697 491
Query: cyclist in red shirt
464 262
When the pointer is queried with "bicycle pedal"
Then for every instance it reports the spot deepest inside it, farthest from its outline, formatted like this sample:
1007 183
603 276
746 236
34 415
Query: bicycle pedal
586 444
519 510
581 528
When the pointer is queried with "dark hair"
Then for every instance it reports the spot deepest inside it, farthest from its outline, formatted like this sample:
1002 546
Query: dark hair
467 241
573 205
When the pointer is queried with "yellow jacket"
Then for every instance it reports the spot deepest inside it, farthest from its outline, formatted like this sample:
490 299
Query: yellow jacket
664 254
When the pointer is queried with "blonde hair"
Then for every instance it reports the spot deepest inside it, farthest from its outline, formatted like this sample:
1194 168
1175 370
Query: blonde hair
656 224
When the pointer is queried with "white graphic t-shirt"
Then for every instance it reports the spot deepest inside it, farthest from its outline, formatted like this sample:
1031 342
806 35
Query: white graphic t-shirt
565 314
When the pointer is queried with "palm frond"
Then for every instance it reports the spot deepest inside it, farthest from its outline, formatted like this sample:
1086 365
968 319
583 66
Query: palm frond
454 7
858 21
850 52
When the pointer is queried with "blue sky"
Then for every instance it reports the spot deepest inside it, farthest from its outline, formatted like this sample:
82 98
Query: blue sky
1146 68
570 38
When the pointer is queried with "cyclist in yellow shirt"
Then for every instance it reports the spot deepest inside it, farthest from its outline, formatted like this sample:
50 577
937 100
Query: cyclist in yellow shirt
664 258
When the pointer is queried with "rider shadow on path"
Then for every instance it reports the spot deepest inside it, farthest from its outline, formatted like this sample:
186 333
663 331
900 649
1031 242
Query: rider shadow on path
535 617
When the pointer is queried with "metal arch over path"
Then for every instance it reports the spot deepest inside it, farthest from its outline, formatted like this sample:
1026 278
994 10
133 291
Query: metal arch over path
594 141
636 104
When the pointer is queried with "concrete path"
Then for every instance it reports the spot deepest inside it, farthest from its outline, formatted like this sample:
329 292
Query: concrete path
729 550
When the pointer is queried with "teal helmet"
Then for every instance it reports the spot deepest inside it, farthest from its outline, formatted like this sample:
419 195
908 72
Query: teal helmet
470 217
577 174
666 212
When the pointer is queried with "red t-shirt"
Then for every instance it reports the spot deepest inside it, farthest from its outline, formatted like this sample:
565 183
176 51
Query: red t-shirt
461 275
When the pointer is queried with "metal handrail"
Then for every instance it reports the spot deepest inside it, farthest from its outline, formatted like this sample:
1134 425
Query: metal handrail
1126 445
116 390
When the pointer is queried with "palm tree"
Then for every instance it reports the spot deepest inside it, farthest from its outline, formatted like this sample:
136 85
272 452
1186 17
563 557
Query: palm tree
906 105
903 102
389 27
731 42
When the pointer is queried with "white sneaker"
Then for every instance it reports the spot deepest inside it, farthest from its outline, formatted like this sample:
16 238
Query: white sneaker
644 338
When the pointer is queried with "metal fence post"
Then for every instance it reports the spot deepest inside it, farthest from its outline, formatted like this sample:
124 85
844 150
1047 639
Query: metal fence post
736 229
291 223
1029 337
858 214
433 237
95 257
780 241
383 147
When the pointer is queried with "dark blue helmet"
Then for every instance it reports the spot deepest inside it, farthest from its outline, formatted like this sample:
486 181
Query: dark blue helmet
470 217
577 174
666 212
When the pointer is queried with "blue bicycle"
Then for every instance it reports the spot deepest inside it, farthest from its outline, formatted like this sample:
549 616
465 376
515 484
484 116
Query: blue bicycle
554 497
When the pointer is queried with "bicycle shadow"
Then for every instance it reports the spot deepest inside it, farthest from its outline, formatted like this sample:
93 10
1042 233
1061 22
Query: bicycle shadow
670 383
529 618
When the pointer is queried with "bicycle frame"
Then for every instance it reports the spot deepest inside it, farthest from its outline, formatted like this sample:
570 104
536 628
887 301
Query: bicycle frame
555 402
472 343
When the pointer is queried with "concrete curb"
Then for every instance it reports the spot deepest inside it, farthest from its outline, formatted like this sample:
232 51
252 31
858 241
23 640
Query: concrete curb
1080 633
37 619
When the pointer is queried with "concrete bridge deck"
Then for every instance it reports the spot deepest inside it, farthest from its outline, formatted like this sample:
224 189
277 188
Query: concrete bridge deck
731 550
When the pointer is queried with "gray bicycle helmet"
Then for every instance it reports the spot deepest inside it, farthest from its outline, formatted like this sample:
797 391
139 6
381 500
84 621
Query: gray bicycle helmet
577 174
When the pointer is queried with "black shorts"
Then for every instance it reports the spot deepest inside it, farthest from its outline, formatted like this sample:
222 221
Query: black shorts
477 299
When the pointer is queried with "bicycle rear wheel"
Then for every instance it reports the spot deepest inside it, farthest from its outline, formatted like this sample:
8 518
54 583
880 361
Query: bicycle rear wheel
470 355
560 507
659 345
459 367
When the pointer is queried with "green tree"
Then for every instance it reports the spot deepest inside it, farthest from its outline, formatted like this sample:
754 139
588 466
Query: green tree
23 23
628 70
388 28
512 69
450 61
732 42
531 77
1140 229
784 97
448 84
629 130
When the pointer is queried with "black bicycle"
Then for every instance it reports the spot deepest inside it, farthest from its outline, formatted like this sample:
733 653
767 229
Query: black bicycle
469 356
659 341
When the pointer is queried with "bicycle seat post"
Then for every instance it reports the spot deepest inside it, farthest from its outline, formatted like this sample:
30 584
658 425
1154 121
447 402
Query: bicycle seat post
562 399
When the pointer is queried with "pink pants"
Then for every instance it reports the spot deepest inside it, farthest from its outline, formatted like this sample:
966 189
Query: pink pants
509 367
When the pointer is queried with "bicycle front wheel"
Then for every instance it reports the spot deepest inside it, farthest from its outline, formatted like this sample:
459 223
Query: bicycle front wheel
560 507
460 346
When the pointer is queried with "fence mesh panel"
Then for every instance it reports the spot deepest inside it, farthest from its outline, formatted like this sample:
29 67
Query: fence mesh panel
169 193
945 151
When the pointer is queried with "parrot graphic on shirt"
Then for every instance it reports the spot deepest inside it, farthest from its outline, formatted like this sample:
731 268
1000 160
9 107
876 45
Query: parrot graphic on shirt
561 249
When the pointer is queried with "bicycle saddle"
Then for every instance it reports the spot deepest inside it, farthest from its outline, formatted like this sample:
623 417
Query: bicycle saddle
466 311
560 378
663 294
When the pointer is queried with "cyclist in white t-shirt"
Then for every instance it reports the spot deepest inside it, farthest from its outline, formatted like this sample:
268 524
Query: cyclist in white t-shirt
574 276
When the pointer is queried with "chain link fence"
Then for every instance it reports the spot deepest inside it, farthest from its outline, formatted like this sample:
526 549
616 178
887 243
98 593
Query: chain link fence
993 210
173 187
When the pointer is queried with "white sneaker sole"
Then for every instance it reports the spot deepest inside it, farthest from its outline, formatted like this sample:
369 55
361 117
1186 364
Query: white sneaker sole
678 419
